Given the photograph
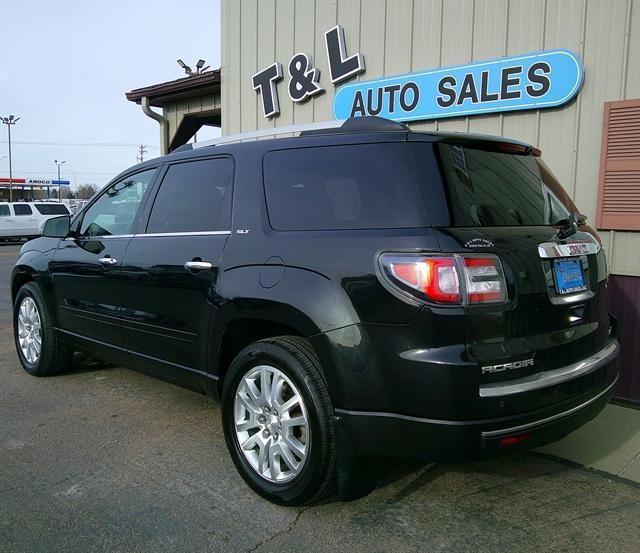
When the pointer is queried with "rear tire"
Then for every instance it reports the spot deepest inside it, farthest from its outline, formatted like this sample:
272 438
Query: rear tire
37 343
275 403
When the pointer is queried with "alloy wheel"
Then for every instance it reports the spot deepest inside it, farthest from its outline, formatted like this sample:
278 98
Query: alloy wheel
29 330
271 424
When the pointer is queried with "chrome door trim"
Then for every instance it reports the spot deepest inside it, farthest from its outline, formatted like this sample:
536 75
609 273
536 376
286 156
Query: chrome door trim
556 376
194 233
152 235
527 426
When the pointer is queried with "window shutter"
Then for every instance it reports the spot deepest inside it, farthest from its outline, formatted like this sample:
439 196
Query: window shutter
619 191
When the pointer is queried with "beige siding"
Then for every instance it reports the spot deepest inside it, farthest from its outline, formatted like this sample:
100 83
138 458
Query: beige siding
174 113
398 36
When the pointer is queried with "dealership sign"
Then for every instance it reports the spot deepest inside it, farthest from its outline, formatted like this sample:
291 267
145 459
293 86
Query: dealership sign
537 80
532 81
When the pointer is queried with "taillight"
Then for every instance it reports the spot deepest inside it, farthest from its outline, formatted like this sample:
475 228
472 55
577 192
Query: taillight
484 279
446 279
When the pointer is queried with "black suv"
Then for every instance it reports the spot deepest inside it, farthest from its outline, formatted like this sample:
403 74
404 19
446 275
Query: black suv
356 291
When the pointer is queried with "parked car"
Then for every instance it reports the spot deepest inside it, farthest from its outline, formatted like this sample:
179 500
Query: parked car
357 291
26 219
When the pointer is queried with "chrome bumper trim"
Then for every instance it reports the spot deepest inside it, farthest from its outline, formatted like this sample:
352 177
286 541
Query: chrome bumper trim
556 376
529 425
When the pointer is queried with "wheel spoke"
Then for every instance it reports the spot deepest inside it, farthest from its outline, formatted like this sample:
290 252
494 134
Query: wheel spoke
290 404
290 423
250 424
254 393
276 390
265 385
263 458
251 442
288 457
295 445
247 403
273 465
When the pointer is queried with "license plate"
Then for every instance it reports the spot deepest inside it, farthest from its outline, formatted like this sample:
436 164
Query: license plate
569 276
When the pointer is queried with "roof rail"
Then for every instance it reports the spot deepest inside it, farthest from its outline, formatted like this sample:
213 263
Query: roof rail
270 132
352 125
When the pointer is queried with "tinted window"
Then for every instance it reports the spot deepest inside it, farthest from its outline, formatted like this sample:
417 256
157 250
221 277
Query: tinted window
114 211
364 186
194 196
52 209
4 211
22 209
488 188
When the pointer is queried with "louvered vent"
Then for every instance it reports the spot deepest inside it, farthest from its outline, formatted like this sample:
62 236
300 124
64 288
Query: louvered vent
619 192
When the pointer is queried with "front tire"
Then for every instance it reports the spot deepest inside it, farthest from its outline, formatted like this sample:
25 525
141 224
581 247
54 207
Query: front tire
278 421
37 343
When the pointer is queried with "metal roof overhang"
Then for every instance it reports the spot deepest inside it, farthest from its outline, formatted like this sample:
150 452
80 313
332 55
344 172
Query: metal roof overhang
180 89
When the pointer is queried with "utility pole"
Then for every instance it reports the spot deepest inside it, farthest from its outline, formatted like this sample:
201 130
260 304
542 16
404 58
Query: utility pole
8 121
59 185
142 149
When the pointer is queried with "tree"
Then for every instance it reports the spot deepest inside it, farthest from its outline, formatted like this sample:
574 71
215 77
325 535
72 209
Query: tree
85 191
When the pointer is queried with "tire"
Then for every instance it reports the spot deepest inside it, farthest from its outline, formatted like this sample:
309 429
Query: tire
292 364
52 358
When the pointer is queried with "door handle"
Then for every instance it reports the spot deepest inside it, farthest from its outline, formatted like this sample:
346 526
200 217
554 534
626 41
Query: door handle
198 266
107 261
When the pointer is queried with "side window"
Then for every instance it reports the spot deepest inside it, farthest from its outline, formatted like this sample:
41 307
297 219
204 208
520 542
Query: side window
364 186
4 211
52 209
22 209
114 211
194 196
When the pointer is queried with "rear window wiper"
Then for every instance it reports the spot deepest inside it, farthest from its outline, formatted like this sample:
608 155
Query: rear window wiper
569 227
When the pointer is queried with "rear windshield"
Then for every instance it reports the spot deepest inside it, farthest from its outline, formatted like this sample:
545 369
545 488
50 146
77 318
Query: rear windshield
364 186
52 209
488 188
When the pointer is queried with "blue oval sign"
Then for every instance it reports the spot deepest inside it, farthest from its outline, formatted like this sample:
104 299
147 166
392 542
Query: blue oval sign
531 81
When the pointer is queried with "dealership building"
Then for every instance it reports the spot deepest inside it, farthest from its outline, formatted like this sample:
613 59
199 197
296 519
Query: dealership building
563 76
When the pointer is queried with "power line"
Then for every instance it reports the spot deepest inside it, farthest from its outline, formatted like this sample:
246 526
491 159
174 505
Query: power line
92 144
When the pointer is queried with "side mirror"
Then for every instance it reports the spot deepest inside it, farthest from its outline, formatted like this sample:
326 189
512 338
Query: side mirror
57 227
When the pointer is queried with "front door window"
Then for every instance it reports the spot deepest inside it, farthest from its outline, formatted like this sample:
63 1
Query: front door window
114 213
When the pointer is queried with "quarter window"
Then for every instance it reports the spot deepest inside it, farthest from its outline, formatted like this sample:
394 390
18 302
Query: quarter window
365 186
114 212
194 196
22 209
52 209
4 211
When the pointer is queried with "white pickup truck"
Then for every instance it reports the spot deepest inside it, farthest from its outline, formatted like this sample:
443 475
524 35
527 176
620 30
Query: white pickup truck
26 219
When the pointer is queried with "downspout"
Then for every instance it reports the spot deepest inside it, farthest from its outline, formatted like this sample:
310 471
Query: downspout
164 125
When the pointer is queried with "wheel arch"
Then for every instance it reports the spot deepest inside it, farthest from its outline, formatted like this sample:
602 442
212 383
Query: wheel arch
244 327
20 276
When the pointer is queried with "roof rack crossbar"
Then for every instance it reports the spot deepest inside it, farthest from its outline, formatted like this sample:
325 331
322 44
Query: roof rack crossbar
270 132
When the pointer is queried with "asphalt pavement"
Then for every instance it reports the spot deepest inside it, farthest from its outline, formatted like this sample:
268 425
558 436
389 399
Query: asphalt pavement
106 459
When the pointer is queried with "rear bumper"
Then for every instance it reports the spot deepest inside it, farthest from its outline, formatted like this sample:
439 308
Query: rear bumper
393 435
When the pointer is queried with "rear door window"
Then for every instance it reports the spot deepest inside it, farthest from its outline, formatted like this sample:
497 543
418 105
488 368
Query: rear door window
4 211
364 186
52 209
194 196
22 209
489 188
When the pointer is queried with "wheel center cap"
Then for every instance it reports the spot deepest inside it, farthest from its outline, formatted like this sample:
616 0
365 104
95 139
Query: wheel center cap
273 423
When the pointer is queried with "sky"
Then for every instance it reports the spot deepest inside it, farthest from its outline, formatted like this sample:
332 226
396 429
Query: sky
65 66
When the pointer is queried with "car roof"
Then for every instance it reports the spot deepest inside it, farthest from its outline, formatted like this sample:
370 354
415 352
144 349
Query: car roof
356 130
